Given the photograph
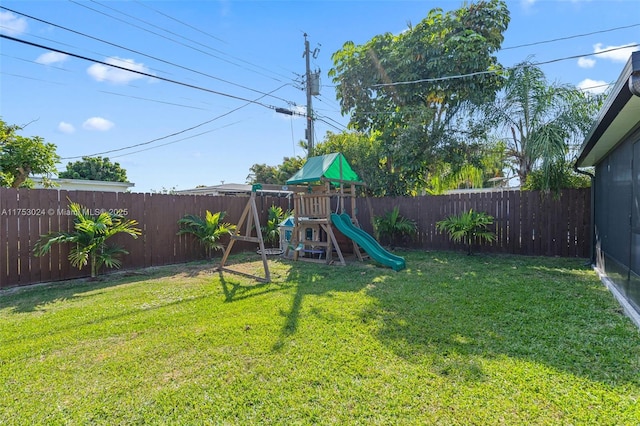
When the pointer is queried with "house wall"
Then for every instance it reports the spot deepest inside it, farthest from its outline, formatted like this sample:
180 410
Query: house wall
617 229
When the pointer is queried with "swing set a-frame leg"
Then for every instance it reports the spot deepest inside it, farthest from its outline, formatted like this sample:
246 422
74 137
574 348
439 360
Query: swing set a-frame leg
251 213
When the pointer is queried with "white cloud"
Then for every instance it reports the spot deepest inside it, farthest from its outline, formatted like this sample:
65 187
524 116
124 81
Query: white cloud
66 127
10 24
593 86
97 123
527 5
51 58
586 62
102 72
621 54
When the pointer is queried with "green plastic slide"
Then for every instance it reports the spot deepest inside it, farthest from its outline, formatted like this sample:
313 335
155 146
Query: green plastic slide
367 242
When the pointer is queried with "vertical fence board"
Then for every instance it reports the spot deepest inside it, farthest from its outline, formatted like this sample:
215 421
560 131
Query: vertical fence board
4 240
24 258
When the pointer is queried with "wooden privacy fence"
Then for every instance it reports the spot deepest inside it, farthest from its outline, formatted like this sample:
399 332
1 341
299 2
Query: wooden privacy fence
526 223
26 214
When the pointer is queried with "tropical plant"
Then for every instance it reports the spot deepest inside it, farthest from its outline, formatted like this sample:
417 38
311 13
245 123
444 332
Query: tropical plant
540 122
207 230
271 230
392 227
467 227
89 236
561 176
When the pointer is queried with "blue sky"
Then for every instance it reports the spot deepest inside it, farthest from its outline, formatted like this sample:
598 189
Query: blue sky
234 52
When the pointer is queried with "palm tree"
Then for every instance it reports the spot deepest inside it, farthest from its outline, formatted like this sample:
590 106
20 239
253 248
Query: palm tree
541 121
89 237
207 230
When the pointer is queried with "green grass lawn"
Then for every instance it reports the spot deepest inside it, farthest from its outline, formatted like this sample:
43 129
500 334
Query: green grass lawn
452 339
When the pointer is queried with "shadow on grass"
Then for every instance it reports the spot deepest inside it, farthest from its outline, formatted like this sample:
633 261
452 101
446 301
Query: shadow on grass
235 290
241 280
456 310
315 279
30 298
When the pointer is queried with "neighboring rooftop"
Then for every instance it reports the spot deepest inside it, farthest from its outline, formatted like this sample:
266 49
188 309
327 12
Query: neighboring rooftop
239 189
83 185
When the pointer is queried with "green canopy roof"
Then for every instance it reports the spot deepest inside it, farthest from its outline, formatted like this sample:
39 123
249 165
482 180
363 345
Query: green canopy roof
333 167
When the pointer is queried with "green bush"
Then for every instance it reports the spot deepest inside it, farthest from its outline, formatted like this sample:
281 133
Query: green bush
88 238
207 230
271 231
392 227
467 227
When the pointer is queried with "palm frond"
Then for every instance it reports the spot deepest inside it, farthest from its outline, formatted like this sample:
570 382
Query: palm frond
207 230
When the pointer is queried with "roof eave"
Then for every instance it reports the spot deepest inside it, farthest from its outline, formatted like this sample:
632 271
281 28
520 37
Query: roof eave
615 119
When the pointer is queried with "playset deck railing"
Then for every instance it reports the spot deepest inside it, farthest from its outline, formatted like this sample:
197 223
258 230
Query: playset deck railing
312 206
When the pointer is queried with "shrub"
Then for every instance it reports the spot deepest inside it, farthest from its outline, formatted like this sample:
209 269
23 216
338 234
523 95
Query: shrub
207 230
271 230
393 228
89 237
467 227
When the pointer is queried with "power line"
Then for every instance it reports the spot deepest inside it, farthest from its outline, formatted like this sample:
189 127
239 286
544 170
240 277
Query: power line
172 134
192 86
178 140
85 35
570 37
179 21
137 52
473 74
154 100
162 36
323 118
101 91
209 35
32 78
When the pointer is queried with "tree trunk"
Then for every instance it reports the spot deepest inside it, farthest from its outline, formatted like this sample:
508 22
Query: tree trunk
22 176
92 255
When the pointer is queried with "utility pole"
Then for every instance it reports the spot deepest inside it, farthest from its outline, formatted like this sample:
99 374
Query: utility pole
312 84
309 131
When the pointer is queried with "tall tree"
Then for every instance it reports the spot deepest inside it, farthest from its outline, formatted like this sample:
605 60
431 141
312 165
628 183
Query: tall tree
540 122
410 87
475 165
95 168
21 156
364 155
278 175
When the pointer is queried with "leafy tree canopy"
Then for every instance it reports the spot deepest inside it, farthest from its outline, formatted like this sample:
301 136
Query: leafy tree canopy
407 88
21 156
278 175
95 168
364 156
560 176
